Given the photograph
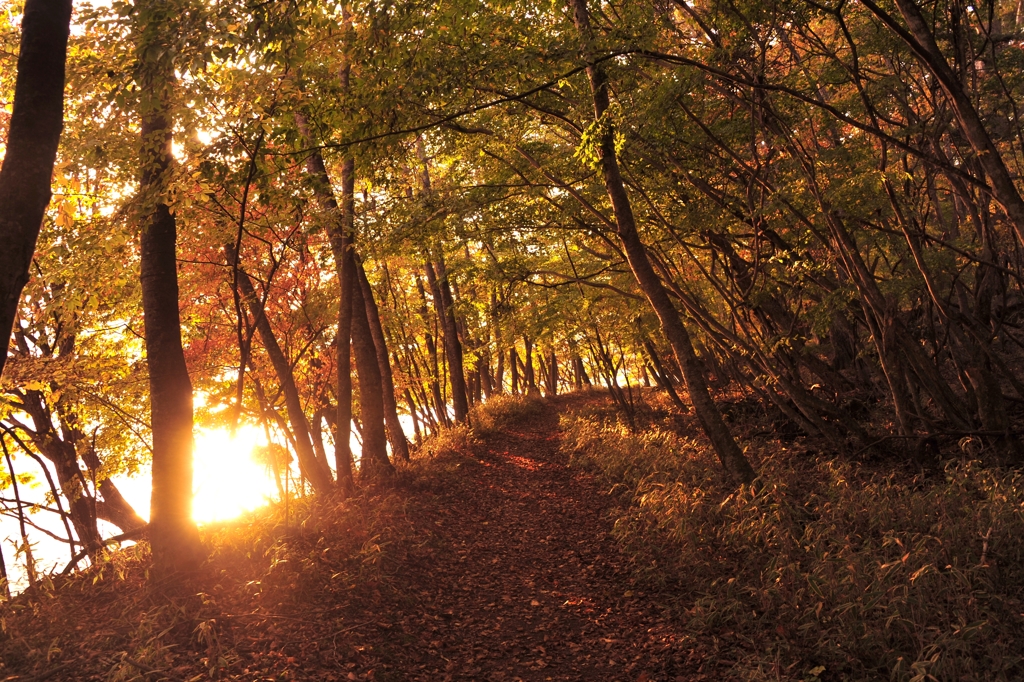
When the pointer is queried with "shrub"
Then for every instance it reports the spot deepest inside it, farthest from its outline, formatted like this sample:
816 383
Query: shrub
455 440
503 411
870 574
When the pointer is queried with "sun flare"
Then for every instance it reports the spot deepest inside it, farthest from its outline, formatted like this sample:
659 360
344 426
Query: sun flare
227 480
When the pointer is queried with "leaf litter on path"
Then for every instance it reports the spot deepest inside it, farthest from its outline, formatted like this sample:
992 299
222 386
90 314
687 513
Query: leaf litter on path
516 577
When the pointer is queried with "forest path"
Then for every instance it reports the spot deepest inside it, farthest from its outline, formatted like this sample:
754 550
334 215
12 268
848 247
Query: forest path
517 577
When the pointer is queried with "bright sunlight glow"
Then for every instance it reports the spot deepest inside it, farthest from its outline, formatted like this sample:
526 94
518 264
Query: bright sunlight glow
227 480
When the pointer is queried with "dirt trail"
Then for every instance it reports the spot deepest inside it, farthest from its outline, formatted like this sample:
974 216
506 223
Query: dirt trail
518 578
495 565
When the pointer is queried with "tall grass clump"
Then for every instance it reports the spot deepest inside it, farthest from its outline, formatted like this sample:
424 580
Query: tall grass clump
504 411
455 440
826 570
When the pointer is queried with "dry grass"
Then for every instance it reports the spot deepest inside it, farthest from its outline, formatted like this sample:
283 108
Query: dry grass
276 576
446 443
828 571
503 411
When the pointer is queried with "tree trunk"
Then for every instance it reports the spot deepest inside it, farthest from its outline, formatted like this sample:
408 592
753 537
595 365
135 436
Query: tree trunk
661 377
374 464
37 119
399 443
729 453
435 386
484 366
499 372
340 232
313 469
59 448
341 235
414 413
173 534
513 361
453 348
553 374
529 376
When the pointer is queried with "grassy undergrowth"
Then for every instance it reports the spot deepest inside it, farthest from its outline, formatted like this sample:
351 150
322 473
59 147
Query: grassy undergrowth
829 571
276 581
503 411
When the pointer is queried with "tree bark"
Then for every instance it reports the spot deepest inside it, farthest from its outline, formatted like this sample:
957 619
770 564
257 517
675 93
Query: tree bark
499 371
553 373
341 235
399 443
37 120
729 453
513 361
340 230
529 375
374 463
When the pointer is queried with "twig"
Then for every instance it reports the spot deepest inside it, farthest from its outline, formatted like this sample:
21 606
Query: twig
949 434
133 534
327 636
267 616
984 547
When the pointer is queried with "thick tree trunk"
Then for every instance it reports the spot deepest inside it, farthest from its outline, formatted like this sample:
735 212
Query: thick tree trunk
399 443
513 361
37 119
729 453
484 368
313 469
113 508
81 506
582 378
499 372
553 373
173 534
341 234
529 375
340 231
